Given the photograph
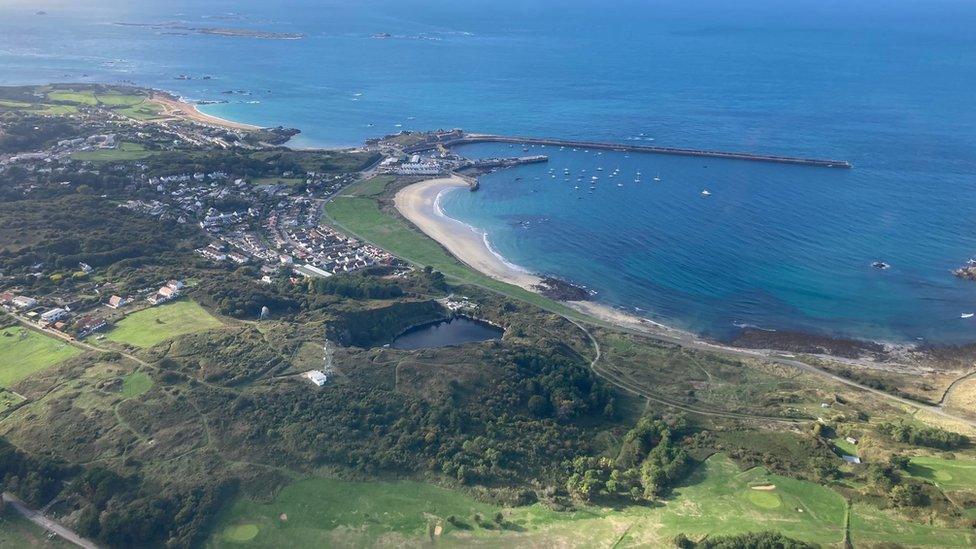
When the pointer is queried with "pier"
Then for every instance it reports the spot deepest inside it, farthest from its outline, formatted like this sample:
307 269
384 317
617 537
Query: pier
456 138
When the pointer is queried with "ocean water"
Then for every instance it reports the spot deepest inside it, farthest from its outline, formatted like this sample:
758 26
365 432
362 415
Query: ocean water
887 85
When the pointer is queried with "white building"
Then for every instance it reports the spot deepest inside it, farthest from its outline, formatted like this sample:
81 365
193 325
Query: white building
316 377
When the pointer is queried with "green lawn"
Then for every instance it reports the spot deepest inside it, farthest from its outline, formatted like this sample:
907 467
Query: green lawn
875 526
124 151
23 352
325 512
363 218
150 326
38 108
948 474
120 99
76 97
136 384
142 111
370 187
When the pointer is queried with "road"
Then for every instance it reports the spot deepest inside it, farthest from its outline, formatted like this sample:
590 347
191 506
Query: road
46 523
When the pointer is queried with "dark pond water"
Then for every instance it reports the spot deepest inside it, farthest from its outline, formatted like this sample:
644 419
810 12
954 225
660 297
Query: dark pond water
442 333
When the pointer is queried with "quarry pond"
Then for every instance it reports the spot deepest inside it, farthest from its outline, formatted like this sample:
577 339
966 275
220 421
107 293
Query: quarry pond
443 333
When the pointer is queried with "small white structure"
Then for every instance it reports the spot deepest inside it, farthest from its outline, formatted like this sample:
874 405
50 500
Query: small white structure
851 459
852 440
316 377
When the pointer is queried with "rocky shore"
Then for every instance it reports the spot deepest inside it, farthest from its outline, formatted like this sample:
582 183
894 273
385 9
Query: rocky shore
560 290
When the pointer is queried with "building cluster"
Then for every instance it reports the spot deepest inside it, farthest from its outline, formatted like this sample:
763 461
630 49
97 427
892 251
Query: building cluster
291 237
62 319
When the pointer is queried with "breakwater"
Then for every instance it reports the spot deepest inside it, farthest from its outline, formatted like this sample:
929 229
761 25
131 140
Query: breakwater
453 139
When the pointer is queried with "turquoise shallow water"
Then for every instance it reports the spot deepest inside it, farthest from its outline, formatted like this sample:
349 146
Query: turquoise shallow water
886 85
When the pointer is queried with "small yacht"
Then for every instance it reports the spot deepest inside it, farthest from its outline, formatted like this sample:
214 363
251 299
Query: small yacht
620 184
966 315
657 177
706 193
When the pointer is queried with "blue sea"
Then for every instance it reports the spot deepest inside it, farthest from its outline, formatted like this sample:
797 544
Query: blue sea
888 85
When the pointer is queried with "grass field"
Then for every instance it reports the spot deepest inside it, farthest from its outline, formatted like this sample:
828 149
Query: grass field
948 474
136 384
322 512
76 97
371 187
142 111
125 151
38 108
362 217
23 352
870 525
155 324
16 531
119 99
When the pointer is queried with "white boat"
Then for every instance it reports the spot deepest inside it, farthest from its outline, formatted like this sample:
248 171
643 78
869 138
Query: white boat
657 177
706 193
620 184
966 315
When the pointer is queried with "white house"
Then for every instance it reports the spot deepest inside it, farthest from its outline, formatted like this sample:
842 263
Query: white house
316 377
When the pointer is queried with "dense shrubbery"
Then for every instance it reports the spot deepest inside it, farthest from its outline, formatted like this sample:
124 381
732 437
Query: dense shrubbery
36 479
356 287
486 439
932 437
126 512
752 540
647 466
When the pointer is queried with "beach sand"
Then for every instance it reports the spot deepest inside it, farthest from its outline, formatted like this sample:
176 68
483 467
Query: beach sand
418 203
181 109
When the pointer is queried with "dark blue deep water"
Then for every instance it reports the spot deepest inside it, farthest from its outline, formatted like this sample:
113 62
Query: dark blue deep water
887 85
443 333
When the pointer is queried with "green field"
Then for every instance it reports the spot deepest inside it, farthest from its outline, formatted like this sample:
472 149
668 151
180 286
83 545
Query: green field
371 187
16 531
874 526
124 151
948 474
362 217
136 383
23 352
150 326
323 512
142 111
38 108
77 97
119 99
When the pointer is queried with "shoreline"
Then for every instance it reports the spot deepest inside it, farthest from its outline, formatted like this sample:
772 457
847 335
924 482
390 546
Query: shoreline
175 106
419 203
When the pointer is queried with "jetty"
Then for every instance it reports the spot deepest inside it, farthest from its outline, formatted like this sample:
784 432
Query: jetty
456 137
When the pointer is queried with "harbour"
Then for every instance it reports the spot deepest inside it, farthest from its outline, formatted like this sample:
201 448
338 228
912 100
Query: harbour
455 138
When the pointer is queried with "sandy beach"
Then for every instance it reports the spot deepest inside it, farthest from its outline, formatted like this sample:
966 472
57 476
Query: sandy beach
181 109
418 203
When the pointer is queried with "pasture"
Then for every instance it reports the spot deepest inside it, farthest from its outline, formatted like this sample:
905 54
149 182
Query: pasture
23 352
153 325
